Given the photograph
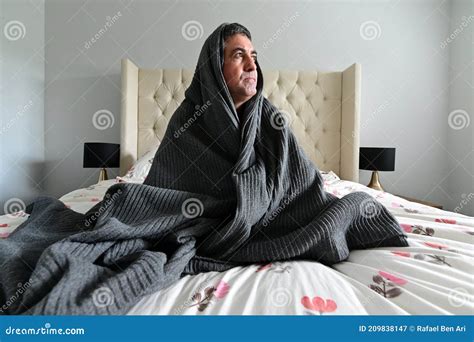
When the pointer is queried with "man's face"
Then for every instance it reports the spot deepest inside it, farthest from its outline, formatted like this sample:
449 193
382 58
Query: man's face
240 70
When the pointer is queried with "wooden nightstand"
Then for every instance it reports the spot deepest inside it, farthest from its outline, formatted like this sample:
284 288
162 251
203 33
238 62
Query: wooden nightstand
431 204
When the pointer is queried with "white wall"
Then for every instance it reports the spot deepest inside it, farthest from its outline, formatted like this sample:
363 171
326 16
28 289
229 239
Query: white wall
21 103
460 180
406 75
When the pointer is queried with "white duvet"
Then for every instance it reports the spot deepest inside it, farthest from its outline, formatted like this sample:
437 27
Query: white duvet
433 276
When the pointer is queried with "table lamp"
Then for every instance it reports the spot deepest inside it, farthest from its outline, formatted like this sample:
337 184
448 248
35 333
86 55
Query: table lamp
376 159
101 155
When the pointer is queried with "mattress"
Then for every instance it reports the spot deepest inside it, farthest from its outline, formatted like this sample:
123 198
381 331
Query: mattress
433 276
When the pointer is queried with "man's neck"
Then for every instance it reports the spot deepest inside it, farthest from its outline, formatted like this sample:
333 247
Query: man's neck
240 110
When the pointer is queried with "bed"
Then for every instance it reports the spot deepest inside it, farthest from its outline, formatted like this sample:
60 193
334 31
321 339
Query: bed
434 275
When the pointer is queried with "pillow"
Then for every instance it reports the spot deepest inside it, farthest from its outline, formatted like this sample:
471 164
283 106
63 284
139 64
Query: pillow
139 169
329 177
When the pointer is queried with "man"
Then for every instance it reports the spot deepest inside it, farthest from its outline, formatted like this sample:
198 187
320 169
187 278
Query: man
271 193
235 154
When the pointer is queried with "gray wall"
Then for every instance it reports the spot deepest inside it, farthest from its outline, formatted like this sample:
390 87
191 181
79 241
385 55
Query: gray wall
406 74
21 103
460 180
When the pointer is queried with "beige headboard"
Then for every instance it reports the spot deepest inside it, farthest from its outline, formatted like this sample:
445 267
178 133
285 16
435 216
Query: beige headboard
323 109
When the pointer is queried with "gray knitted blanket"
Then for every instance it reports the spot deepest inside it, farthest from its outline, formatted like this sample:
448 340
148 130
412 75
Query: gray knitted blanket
222 191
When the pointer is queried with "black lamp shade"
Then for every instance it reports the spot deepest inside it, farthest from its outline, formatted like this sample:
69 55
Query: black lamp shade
377 158
101 155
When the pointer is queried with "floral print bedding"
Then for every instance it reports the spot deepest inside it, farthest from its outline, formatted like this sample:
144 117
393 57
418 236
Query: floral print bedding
433 276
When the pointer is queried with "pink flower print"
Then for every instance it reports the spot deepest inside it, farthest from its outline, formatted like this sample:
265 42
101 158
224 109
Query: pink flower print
406 227
319 304
264 267
202 301
388 289
435 245
221 290
392 278
403 254
448 221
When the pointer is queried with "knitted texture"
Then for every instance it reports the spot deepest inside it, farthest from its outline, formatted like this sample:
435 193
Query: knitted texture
222 191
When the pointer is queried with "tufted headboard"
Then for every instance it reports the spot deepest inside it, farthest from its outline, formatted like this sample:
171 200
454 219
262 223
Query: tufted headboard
323 109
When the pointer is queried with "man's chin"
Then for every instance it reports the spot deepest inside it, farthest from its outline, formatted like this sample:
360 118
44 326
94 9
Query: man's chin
246 94
250 91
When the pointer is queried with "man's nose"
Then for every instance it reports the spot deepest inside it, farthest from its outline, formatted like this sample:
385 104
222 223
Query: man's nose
250 65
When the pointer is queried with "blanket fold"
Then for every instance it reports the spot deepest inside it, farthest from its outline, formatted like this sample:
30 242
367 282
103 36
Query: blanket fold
222 191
